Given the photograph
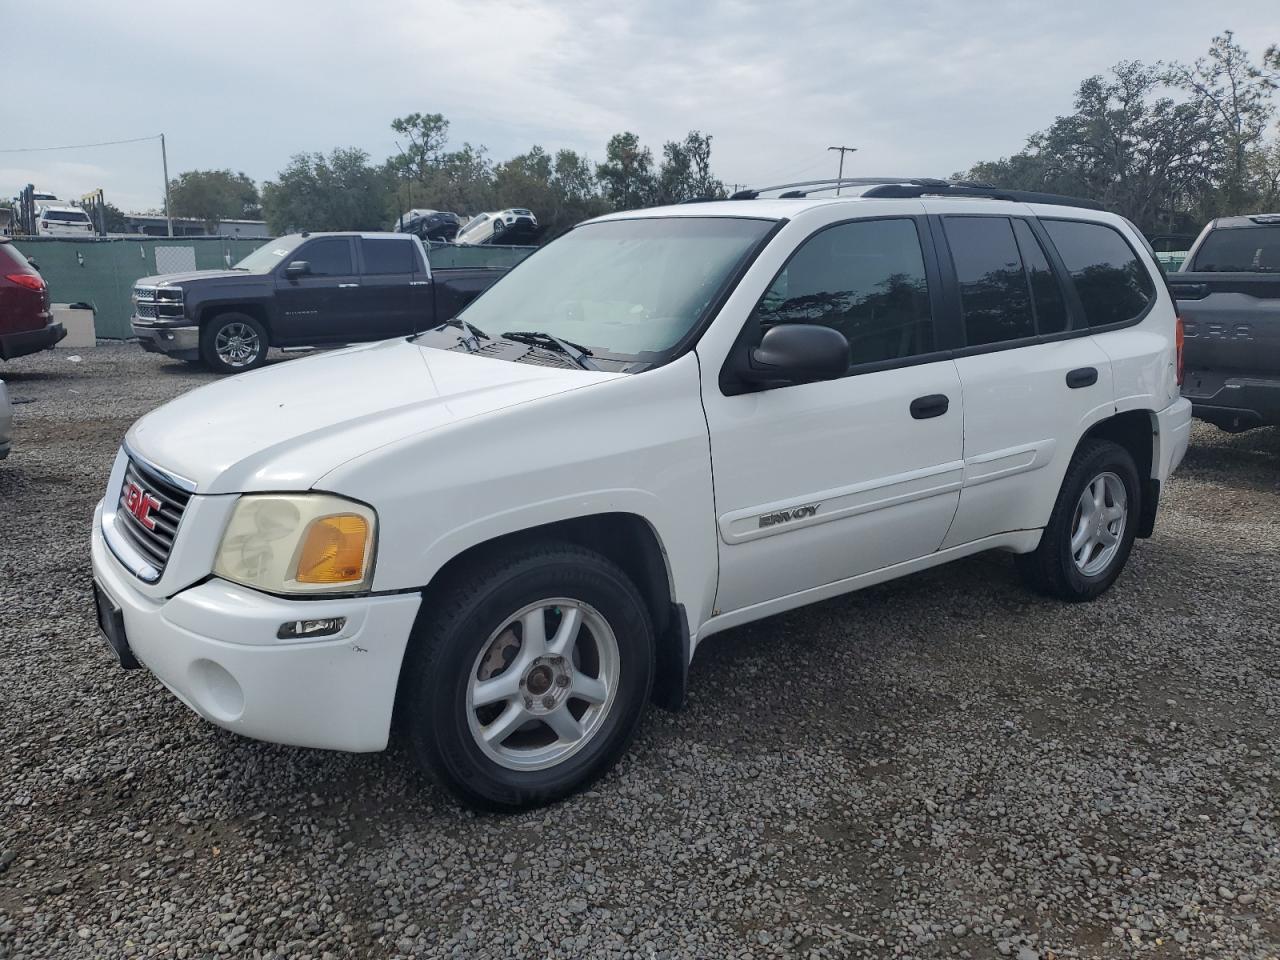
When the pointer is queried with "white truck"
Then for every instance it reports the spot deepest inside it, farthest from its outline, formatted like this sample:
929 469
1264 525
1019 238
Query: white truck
504 536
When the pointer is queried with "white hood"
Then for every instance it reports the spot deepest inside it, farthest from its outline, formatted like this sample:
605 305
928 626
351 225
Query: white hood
286 426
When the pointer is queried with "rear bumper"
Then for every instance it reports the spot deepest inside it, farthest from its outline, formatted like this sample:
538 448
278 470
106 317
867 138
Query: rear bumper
181 342
214 646
1173 431
30 341
1236 403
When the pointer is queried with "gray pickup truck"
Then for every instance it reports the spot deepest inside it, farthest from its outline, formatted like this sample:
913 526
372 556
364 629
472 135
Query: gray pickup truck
1228 294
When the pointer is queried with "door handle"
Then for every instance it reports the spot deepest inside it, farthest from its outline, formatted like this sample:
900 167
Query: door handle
347 286
934 405
1082 377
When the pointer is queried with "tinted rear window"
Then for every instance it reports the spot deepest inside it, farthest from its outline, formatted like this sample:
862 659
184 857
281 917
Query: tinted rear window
1240 250
993 288
65 216
387 256
1112 282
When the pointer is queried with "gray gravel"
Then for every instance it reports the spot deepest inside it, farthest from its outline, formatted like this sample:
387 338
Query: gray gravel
942 766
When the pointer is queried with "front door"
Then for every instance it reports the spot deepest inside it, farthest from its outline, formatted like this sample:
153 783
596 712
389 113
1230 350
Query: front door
321 305
816 483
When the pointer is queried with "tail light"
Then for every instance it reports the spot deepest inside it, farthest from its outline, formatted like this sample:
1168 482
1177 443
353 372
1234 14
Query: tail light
1179 337
28 280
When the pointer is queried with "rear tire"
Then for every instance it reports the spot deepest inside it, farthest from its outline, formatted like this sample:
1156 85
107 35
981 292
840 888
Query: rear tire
233 343
1089 535
506 718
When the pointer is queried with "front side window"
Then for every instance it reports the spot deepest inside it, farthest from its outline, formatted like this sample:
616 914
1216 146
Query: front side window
865 279
329 257
1113 284
1240 250
387 256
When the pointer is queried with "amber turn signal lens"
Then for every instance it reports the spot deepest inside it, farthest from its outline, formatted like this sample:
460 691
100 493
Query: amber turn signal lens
333 550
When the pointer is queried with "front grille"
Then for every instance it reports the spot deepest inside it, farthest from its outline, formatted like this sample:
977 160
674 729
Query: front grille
158 303
146 310
154 544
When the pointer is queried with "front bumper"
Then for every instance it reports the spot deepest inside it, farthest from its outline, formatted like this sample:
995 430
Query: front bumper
180 342
214 646
30 341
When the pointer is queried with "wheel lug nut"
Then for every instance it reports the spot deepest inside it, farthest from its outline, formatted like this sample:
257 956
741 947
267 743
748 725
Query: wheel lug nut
528 702
562 680
548 701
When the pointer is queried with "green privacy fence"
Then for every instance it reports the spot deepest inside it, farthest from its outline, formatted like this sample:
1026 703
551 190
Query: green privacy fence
102 272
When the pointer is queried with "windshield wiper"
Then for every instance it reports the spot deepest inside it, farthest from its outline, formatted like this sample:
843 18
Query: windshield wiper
575 352
471 335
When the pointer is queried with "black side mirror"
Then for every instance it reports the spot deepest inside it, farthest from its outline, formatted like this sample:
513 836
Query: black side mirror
34 266
797 353
297 269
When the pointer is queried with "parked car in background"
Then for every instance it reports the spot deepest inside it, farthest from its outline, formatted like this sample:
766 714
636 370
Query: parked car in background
62 220
516 225
26 318
305 289
511 531
6 421
429 224
1228 294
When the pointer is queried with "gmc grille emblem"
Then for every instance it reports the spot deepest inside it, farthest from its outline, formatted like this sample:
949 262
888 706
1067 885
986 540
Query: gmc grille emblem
787 516
140 503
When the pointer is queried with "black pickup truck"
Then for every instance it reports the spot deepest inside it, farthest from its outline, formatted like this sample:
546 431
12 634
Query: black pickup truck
1228 294
301 290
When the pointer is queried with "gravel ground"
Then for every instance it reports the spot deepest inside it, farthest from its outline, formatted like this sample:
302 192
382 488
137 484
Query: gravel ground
942 766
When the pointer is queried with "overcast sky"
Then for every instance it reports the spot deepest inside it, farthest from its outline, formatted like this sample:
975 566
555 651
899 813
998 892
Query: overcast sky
921 88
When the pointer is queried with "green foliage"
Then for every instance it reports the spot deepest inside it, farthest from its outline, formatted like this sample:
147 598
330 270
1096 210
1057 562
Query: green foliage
116 220
214 196
342 191
686 170
627 175
1168 146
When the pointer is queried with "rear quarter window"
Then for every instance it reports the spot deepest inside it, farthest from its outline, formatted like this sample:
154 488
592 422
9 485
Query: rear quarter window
1113 283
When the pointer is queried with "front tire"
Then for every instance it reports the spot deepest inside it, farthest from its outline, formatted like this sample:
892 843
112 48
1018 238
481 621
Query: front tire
1092 528
528 676
233 343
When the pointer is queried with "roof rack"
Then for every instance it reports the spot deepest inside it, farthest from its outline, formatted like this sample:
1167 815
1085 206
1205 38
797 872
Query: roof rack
908 187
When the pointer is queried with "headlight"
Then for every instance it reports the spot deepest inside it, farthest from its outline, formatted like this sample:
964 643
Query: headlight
299 543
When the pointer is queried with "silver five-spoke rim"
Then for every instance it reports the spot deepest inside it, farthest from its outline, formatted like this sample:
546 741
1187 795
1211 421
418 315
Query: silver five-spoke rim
1098 526
236 344
543 684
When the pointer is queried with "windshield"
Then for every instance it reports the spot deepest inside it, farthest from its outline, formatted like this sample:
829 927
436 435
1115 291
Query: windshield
621 287
266 257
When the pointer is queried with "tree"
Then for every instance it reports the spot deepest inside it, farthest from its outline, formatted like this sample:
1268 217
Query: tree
627 173
342 191
1236 95
116 221
214 196
685 173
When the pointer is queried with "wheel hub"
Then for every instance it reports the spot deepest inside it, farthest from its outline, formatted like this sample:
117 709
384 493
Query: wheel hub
545 684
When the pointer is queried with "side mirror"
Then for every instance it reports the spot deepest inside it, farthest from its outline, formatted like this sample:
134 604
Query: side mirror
797 353
297 269
34 266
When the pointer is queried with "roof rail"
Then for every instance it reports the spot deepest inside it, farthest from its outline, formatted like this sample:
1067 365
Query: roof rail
907 187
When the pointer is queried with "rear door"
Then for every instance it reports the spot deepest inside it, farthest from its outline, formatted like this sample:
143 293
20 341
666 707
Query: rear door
322 305
1033 378
389 301
820 482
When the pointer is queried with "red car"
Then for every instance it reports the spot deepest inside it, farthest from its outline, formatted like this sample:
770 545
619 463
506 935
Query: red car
26 320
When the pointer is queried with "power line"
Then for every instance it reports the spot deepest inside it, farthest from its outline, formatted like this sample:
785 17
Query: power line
77 146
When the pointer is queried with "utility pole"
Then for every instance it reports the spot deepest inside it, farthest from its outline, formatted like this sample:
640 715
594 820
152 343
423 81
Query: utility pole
840 175
164 159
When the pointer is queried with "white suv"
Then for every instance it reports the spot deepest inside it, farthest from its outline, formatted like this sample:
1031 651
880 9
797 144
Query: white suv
512 531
